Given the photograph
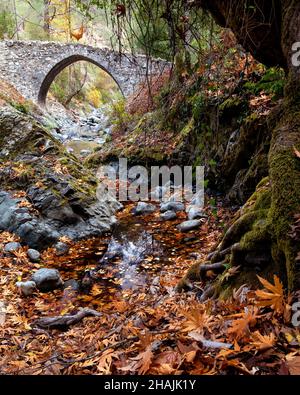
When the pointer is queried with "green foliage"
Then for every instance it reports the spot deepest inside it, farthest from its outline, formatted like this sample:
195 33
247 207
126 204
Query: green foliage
24 108
152 39
34 32
198 102
7 24
230 104
272 83
118 114
212 163
57 90
156 28
85 86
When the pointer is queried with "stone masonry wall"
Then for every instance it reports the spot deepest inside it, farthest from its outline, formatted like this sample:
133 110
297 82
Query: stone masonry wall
26 64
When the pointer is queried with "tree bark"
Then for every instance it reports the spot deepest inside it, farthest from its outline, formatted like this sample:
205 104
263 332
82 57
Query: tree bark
268 30
46 24
257 25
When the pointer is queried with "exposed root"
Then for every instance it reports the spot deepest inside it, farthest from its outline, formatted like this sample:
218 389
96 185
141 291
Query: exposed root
216 267
209 293
247 243
64 321
219 254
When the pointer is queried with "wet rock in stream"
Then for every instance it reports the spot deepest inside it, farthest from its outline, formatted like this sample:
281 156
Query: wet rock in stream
171 206
143 208
186 226
168 215
33 255
72 284
61 248
128 249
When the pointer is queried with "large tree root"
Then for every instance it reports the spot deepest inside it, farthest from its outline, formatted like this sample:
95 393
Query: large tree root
64 321
198 272
246 243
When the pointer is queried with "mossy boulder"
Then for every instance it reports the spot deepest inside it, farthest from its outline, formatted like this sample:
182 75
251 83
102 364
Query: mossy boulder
46 192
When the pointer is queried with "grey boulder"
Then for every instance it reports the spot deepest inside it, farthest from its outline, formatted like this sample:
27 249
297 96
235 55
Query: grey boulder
195 212
189 225
160 191
26 288
143 208
61 248
171 206
198 200
47 279
168 215
72 284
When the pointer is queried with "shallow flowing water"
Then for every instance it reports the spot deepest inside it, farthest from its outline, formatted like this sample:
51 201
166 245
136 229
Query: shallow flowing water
81 134
129 251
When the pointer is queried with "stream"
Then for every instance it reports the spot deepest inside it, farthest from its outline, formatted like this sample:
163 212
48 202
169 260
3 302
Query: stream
142 250
81 134
141 254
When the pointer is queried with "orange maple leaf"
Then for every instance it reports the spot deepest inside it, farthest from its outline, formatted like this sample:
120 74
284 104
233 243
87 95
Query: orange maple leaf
263 342
196 319
241 327
143 361
274 298
78 34
293 364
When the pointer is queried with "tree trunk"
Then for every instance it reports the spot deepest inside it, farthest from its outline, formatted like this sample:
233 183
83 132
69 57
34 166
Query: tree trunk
284 166
261 234
46 24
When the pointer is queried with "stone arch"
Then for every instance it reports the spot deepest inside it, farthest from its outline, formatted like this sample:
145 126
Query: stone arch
45 86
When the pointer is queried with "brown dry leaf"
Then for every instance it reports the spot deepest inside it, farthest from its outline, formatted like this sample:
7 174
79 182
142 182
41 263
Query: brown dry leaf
294 365
189 352
121 306
231 272
241 327
263 342
25 203
104 363
196 319
275 298
143 361
2 313
167 362
20 255
65 239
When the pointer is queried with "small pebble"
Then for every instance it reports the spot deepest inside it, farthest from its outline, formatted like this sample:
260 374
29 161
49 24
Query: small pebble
12 247
33 255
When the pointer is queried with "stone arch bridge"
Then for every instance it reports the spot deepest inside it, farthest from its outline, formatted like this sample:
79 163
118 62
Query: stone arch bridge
31 66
